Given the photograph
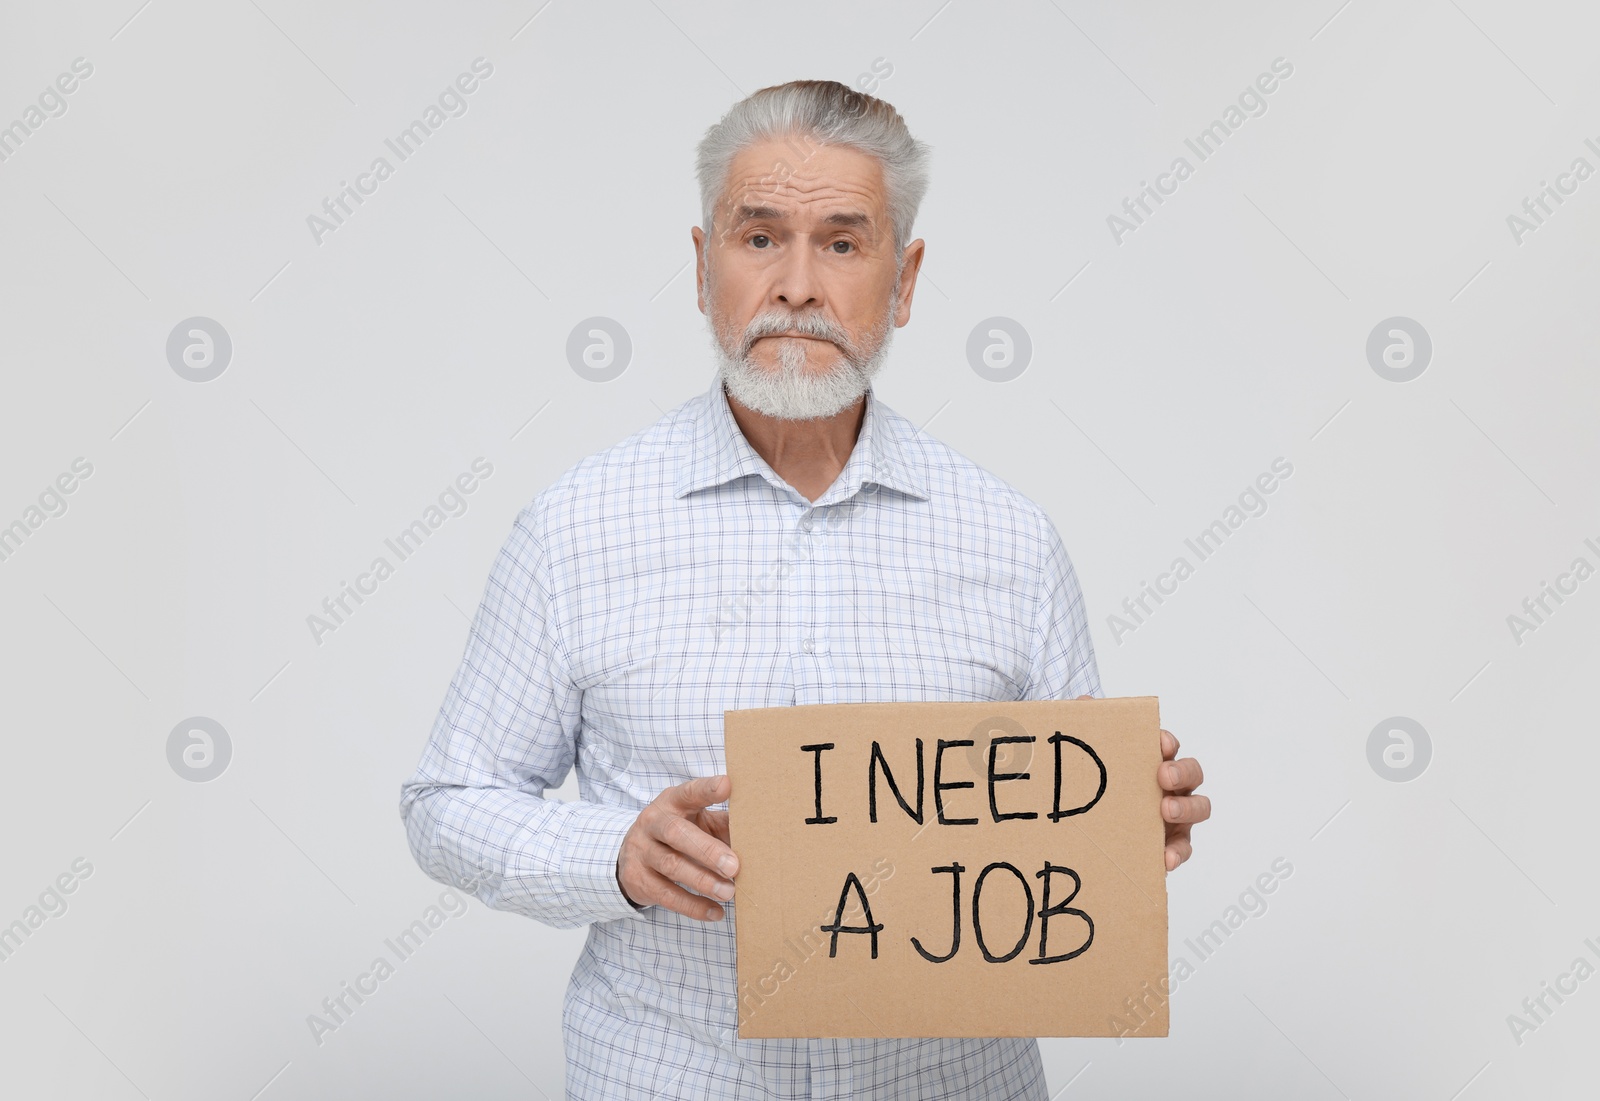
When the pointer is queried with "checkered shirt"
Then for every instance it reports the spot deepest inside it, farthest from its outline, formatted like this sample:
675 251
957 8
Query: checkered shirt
657 584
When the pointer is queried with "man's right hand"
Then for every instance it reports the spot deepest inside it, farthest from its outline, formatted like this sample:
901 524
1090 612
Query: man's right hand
676 840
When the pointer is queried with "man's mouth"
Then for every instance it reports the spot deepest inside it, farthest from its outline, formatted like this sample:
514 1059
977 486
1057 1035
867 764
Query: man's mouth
791 336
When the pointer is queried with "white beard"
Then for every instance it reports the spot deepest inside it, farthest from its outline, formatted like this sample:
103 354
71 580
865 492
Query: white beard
792 390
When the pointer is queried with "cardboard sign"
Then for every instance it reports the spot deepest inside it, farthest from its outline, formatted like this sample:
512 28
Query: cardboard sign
949 869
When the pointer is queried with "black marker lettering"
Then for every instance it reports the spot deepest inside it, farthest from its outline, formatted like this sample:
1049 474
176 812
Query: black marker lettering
940 787
1001 777
955 870
977 925
817 819
1056 739
1047 911
877 761
871 927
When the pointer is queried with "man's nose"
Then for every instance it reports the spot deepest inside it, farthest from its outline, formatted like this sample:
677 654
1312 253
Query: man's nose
796 282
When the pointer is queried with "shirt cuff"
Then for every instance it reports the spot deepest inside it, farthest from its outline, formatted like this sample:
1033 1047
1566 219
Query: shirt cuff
589 863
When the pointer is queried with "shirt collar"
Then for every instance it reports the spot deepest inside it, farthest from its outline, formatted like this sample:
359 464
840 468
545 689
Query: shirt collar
719 453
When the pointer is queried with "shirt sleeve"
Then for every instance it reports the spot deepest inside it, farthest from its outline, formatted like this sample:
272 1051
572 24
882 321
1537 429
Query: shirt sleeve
1063 665
475 812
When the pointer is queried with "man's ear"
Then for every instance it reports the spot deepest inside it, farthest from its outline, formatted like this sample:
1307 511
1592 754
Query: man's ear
912 263
699 236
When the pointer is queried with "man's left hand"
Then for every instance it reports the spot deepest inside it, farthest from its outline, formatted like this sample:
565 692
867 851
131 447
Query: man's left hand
1181 808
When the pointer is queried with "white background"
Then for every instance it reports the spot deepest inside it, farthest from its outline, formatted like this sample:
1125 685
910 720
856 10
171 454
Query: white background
370 369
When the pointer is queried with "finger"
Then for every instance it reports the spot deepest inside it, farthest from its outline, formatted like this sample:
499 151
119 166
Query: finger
715 822
1181 777
1086 696
1185 808
695 843
701 792
660 891
1178 850
680 869
1169 745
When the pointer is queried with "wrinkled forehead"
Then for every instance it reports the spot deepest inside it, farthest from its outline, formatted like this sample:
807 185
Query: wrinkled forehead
806 185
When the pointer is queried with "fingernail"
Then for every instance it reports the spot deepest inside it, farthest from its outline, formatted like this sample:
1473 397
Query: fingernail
727 865
724 891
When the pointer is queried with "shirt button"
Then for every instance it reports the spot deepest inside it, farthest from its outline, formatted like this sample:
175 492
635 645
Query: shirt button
809 645
806 522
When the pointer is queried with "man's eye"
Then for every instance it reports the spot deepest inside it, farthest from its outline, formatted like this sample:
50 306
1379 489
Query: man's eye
849 246
759 237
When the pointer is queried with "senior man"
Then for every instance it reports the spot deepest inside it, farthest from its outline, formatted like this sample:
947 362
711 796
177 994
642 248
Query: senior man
784 538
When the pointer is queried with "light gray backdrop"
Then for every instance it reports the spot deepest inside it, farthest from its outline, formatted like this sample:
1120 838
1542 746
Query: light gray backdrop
190 897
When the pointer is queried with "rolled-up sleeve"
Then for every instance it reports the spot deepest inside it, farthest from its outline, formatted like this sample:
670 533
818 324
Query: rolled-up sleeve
475 812
1063 665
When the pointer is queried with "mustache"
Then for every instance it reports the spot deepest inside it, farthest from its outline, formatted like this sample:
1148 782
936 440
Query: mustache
813 325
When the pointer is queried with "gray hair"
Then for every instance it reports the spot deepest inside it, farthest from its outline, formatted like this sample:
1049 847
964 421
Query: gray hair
821 112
